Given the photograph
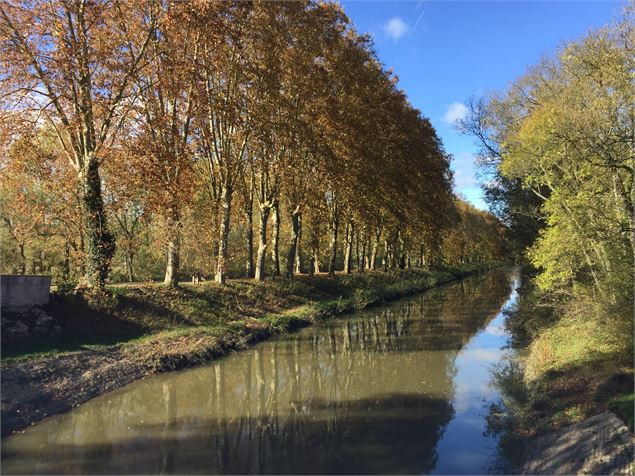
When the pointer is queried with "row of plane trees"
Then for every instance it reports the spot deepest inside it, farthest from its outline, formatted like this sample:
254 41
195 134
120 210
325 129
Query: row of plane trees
204 136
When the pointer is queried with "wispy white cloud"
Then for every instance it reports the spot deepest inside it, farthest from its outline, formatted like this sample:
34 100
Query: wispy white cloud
455 112
396 28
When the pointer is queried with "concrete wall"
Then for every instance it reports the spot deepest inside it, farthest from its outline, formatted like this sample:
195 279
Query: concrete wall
22 292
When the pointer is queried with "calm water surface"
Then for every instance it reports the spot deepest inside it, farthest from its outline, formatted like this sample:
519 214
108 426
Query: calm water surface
402 388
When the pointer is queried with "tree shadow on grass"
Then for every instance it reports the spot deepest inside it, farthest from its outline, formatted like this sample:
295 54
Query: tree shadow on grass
84 324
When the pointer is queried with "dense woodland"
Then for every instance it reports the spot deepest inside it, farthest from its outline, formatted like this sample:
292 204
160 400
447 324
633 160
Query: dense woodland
159 140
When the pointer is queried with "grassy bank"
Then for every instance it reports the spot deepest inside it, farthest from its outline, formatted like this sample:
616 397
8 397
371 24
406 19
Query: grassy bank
577 361
171 326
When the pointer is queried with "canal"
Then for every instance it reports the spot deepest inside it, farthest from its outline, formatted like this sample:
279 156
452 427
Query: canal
402 388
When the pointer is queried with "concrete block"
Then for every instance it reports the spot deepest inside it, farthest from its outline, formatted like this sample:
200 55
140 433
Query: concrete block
22 292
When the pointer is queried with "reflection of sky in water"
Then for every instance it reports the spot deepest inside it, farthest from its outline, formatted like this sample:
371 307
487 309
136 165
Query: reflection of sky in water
496 328
463 449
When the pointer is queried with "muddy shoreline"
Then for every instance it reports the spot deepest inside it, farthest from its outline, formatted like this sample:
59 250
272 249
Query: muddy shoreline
35 389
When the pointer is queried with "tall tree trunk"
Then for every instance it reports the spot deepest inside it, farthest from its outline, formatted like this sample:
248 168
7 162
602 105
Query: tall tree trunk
217 223
393 253
22 258
357 250
375 250
372 261
298 252
221 263
173 250
99 242
262 243
248 209
402 250
314 265
129 260
335 224
314 246
82 247
249 262
66 265
275 245
348 254
361 255
293 242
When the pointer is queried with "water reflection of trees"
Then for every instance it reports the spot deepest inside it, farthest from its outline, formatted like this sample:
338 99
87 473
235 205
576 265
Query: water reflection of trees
369 394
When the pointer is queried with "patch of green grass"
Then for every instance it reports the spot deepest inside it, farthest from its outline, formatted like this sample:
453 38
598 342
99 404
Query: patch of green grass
63 344
572 341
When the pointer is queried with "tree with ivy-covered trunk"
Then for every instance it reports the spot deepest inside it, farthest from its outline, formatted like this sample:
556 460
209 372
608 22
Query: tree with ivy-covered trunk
70 65
99 242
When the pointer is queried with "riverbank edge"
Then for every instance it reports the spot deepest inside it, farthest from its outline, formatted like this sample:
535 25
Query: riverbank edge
568 420
601 443
44 386
590 445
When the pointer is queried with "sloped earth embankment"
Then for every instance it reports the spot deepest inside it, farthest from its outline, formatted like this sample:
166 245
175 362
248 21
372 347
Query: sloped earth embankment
601 444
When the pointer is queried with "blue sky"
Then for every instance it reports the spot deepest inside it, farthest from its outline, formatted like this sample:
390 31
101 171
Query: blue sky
446 51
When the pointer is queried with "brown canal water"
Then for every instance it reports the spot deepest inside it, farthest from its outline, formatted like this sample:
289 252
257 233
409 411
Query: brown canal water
402 388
